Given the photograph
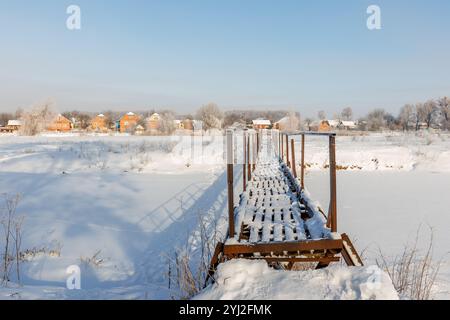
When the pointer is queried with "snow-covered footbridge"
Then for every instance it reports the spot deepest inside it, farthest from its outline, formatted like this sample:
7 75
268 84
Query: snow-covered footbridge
276 219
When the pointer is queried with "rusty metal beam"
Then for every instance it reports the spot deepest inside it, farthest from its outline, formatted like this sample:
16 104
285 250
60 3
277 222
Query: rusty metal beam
288 259
308 245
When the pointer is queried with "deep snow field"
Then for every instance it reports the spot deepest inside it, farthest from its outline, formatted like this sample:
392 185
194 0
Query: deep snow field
134 200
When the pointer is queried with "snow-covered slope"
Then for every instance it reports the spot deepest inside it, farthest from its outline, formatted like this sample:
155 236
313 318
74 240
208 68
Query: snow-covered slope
381 152
136 199
254 280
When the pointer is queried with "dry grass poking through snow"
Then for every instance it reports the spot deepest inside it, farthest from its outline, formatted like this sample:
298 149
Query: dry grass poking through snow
188 269
413 273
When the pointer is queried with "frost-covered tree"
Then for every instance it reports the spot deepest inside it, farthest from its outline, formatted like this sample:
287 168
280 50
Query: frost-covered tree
418 115
307 124
4 118
376 120
347 114
406 116
321 115
428 112
444 108
167 123
37 119
211 116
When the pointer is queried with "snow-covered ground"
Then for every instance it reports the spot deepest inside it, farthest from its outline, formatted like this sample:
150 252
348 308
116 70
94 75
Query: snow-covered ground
133 200
243 279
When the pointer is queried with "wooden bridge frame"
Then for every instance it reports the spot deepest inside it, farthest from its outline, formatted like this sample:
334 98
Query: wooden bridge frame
322 251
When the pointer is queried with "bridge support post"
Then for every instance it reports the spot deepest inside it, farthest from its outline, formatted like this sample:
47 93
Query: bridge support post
254 150
294 169
332 214
257 140
244 160
302 174
249 168
230 181
287 151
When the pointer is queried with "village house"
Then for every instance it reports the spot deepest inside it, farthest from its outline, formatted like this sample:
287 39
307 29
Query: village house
99 123
139 131
261 124
347 125
287 123
60 124
328 125
153 122
12 126
178 124
128 122
188 124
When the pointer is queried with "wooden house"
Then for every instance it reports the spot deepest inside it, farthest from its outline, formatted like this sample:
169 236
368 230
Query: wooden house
139 131
188 124
347 125
128 122
153 122
99 123
178 124
261 124
12 126
60 124
328 125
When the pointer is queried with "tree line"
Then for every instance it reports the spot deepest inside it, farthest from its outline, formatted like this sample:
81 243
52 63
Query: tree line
434 113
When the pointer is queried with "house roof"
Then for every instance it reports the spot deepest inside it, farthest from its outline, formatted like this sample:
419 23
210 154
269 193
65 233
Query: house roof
348 123
262 122
14 123
284 120
130 114
333 123
101 115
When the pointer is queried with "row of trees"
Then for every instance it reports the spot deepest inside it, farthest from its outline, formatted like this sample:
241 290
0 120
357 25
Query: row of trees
430 114
434 113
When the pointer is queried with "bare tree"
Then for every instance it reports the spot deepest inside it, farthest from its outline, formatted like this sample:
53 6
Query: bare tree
444 108
418 115
321 115
37 119
307 123
83 119
292 121
406 116
167 123
347 114
211 116
4 118
429 112
376 120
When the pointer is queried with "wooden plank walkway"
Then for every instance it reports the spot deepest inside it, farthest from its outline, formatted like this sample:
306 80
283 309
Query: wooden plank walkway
276 220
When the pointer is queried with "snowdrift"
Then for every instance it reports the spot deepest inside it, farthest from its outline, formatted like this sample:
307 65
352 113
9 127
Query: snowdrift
253 280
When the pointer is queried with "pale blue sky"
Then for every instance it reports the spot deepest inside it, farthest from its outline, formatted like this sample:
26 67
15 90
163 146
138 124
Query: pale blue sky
306 55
